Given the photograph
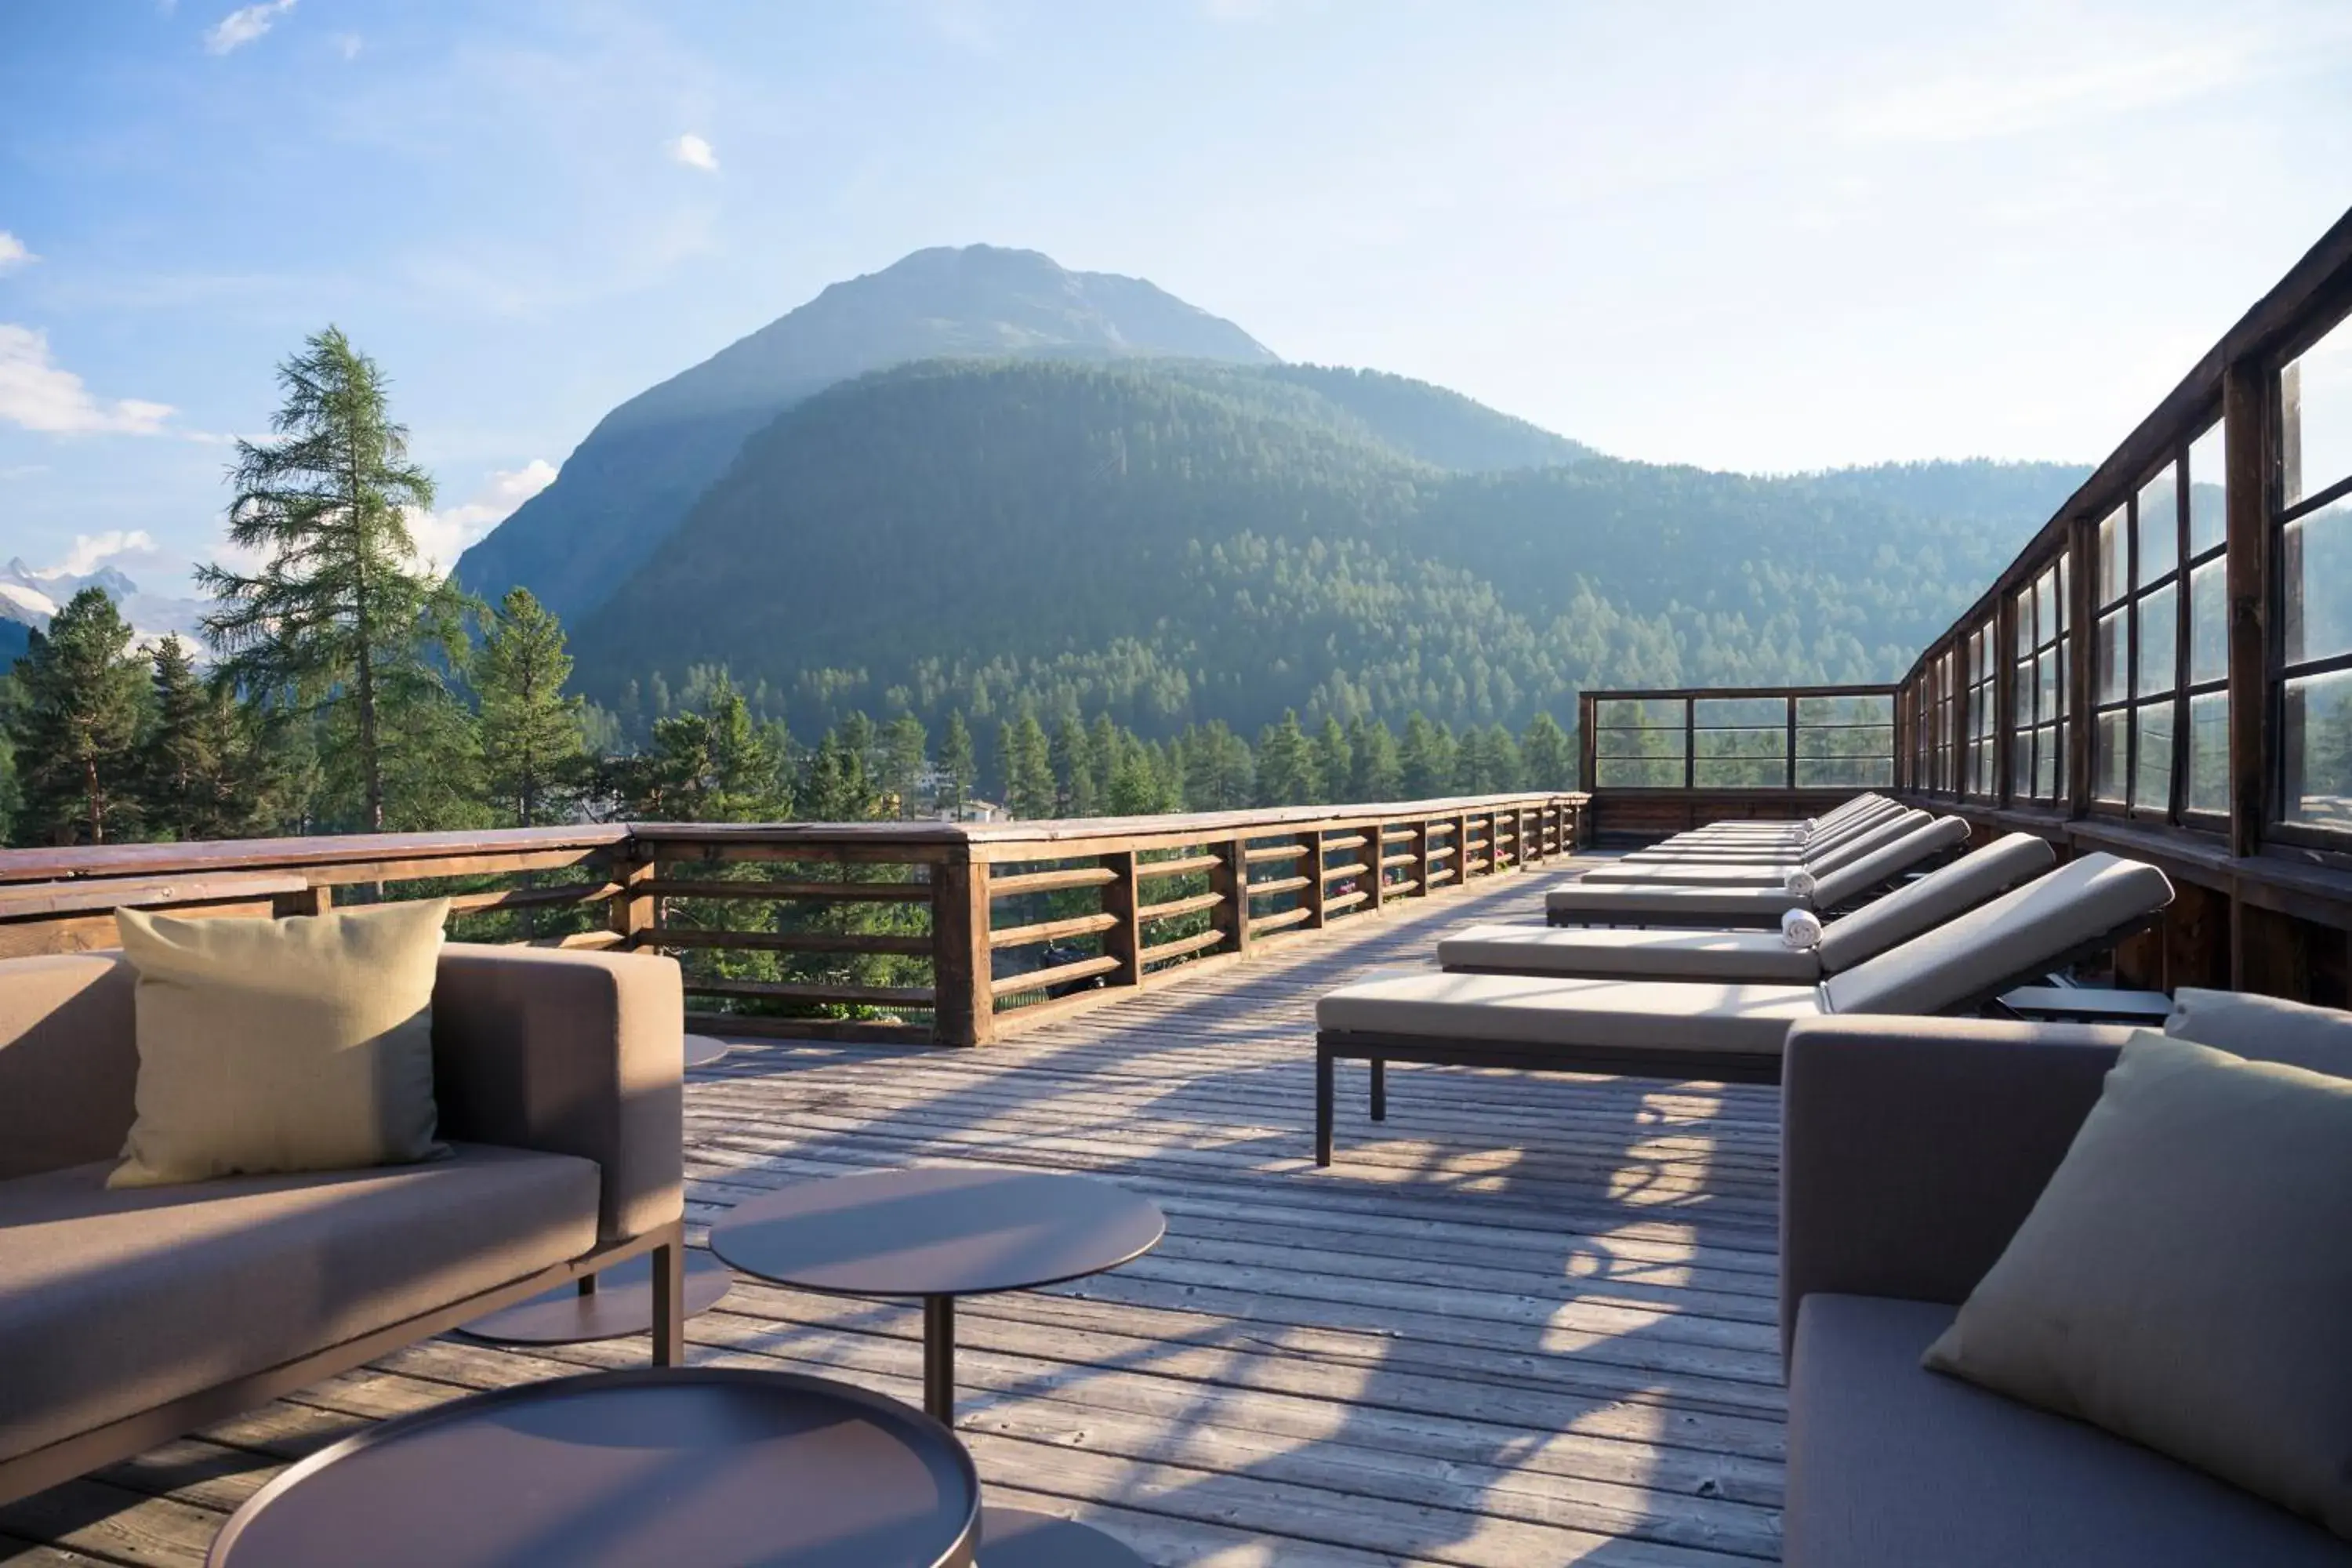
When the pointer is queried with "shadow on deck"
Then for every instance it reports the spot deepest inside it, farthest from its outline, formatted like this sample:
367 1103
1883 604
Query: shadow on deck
1527 1321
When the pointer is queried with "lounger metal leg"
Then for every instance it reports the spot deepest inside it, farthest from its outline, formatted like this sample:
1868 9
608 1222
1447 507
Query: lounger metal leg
1322 1104
668 1285
1379 1089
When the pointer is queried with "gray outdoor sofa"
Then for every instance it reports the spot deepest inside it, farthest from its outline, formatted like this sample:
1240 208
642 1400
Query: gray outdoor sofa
1911 1150
128 1317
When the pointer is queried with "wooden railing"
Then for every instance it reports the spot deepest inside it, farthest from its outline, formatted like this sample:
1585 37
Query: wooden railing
951 932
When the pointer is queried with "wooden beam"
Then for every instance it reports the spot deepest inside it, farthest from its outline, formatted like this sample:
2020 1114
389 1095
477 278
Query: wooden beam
2249 437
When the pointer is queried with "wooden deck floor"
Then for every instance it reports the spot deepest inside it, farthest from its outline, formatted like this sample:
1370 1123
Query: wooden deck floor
1528 1321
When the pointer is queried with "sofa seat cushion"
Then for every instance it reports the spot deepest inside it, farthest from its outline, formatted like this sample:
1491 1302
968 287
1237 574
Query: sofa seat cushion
1891 1463
112 1301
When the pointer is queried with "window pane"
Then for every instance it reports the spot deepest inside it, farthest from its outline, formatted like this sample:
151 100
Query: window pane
2209 752
2318 750
2107 756
1654 713
2045 595
1843 773
2049 745
2208 622
2208 463
2316 570
2152 771
2315 392
2110 666
2109 585
1661 772
2159 640
2159 525
2020 763
2064 606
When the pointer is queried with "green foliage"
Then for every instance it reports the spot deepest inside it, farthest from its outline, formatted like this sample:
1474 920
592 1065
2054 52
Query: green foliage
1547 760
1029 784
339 619
956 764
75 726
533 738
721 765
1286 773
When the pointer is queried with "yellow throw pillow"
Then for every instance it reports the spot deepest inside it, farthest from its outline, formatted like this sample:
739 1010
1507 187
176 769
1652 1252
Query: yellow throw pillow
293 1045
2185 1279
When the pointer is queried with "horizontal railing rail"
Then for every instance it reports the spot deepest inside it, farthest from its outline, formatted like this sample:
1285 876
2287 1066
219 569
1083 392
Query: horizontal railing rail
951 932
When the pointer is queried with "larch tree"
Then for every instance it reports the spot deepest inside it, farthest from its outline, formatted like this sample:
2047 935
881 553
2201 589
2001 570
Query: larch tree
338 617
80 700
179 754
534 743
1548 760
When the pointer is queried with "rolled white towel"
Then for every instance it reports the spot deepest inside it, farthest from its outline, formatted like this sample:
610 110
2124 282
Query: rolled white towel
1798 884
1800 928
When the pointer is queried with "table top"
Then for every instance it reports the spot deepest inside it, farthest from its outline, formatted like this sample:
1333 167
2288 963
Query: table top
937 1231
622 1304
682 1466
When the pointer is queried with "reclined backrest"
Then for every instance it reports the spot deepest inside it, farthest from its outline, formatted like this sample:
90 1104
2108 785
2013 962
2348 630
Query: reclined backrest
1853 878
68 1060
1941 895
2038 924
1877 835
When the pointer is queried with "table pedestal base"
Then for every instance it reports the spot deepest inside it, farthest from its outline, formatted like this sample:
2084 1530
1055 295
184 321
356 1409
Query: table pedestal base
1020 1537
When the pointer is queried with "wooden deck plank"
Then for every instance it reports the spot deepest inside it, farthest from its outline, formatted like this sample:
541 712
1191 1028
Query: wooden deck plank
1527 1319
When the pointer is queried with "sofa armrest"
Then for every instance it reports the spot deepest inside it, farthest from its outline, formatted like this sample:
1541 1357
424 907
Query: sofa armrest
1911 1149
572 1053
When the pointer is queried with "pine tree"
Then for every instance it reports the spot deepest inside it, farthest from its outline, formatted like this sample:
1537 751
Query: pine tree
713 766
956 764
533 737
1078 789
1286 765
1335 760
1548 760
1506 771
1219 774
338 617
75 726
1426 759
1029 790
1378 773
181 765
836 786
904 745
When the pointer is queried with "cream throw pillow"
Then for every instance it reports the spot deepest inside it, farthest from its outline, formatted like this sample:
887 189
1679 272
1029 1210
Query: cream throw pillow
291 1044
2185 1279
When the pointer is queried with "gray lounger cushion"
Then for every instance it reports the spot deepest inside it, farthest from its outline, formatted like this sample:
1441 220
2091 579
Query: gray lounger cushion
1604 952
114 1301
1809 852
1664 1015
1686 954
1889 1463
1766 873
2040 922
1671 904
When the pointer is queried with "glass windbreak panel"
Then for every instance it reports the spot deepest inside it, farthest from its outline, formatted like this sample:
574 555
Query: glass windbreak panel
1740 713
2158 512
2317 746
1739 773
1639 713
2208 510
1844 772
2208 622
2159 640
1624 744
2108 755
2152 767
1877 710
1638 773
2111 663
2208 753
2315 575
2315 400
1847 741
2112 583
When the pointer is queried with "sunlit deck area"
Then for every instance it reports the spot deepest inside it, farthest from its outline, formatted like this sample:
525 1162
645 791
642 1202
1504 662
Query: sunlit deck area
1527 1320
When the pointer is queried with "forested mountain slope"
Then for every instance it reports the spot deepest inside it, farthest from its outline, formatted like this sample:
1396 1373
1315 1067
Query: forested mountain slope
1169 542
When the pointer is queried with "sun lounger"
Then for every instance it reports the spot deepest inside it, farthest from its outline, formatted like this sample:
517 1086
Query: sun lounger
1740 907
1735 872
1737 828
1911 911
1707 844
1717 1031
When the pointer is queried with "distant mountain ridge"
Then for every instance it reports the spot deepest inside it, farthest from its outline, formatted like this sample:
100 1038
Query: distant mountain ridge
1176 542
638 472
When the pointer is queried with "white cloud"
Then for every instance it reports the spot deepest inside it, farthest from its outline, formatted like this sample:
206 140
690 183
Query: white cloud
13 252
244 24
91 551
695 153
349 45
44 397
1975 108
442 536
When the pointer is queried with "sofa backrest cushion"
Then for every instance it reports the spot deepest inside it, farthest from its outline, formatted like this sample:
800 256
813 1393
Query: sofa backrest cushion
2265 1028
68 1060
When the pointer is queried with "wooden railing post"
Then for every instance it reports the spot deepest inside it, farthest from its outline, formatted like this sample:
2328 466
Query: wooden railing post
311 900
1376 850
630 914
1123 940
1462 850
963 1011
1310 897
1230 880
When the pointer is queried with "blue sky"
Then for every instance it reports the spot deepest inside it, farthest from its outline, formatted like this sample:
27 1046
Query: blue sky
1765 237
